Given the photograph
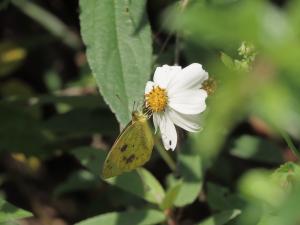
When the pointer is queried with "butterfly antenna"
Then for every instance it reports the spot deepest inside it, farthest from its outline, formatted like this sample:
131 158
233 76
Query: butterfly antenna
133 106
141 105
136 106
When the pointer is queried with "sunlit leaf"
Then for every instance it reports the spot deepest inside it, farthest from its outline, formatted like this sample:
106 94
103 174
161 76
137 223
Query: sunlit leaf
221 30
118 44
285 115
288 213
257 149
287 175
221 218
139 182
273 199
142 183
257 185
227 60
139 217
171 195
9 212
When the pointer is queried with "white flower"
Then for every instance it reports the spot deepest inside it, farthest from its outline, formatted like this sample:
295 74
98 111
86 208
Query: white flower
175 97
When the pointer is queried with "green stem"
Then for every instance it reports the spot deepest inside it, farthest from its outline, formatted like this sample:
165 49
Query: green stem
290 143
165 155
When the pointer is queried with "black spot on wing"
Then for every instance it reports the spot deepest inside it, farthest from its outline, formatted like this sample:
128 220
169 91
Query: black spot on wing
129 159
123 148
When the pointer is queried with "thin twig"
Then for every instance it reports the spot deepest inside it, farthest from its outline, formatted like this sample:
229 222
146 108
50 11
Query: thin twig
164 45
177 49
182 5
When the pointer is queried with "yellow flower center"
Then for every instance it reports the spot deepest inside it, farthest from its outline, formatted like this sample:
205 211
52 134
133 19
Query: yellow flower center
157 99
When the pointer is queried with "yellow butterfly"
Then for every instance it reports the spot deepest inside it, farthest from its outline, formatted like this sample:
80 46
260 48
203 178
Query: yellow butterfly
132 148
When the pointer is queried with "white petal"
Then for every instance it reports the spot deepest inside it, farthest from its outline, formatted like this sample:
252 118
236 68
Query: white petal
168 133
191 76
189 102
149 86
164 74
156 120
187 122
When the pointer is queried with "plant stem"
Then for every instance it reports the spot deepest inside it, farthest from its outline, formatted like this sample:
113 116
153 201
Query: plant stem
165 155
290 143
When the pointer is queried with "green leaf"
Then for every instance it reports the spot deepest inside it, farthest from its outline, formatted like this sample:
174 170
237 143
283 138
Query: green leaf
258 185
278 193
139 217
227 60
9 212
171 196
266 105
221 218
190 167
257 149
19 131
219 198
288 214
141 183
53 81
91 158
226 30
87 122
268 219
287 175
79 180
119 51
288 168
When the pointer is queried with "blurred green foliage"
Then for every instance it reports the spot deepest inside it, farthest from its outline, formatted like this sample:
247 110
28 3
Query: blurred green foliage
10 213
63 101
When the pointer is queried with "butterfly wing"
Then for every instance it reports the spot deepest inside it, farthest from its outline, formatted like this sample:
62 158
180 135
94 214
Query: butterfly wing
132 149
